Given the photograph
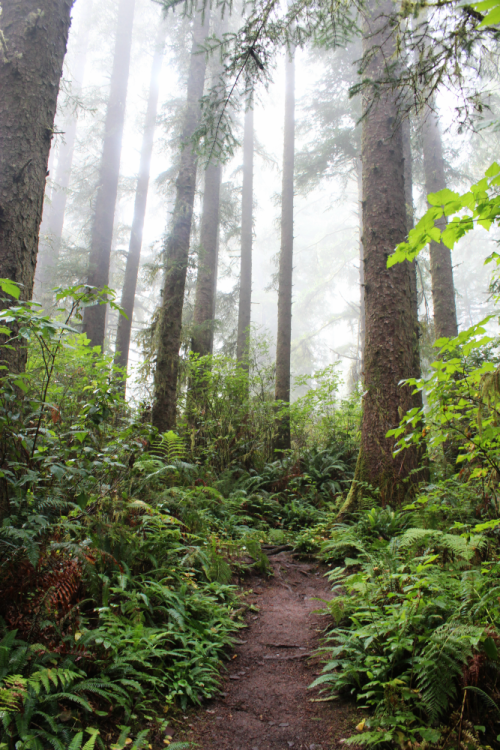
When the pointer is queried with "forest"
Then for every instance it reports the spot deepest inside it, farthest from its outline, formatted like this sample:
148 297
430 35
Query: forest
249 374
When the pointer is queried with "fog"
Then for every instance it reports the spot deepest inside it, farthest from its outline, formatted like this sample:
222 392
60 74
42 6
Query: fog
326 291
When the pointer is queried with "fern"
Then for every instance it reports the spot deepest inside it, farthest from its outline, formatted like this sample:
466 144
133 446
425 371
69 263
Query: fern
440 664
487 699
169 447
457 545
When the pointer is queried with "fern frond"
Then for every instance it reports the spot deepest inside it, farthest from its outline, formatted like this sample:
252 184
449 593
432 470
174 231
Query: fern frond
168 446
76 742
487 699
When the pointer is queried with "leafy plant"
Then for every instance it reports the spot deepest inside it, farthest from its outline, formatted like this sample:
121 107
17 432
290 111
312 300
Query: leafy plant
413 614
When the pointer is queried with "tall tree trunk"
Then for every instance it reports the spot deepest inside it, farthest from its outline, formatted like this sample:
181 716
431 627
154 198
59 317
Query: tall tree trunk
177 245
408 176
53 215
362 332
33 38
141 197
245 303
284 337
389 352
206 281
94 320
443 291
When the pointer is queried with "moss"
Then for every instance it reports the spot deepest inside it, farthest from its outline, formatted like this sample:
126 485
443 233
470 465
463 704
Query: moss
355 495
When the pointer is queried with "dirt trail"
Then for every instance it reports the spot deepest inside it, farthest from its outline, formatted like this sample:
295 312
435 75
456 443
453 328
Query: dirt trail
265 703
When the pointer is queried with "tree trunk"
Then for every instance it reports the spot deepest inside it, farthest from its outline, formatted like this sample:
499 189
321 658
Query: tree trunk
53 215
141 197
177 245
245 303
443 291
33 38
206 281
284 337
362 332
408 176
389 351
94 320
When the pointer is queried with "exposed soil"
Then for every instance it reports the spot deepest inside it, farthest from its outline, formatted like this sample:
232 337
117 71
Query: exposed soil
266 703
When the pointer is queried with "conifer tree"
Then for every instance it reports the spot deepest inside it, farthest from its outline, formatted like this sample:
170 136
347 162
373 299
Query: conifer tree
94 321
389 352
207 266
177 243
33 38
53 213
245 300
135 245
443 291
206 280
362 324
284 336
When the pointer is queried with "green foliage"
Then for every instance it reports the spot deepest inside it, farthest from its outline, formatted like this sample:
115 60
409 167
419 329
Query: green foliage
479 206
417 613
112 607
492 8
462 401
318 418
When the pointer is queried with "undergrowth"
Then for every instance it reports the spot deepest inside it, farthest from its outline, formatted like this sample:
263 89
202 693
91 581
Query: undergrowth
416 614
120 547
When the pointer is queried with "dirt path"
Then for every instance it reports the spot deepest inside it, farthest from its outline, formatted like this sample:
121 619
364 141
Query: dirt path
265 703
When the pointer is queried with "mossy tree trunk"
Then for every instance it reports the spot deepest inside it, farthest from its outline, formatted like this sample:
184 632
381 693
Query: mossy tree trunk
141 198
443 290
284 336
389 314
177 245
245 301
94 319
33 39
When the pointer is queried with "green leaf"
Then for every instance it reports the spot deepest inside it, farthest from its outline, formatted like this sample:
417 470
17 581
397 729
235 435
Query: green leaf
76 742
492 19
429 734
495 168
90 744
449 236
10 287
490 649
21 385
442 197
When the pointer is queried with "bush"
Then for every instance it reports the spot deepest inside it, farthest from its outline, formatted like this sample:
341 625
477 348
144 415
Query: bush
418 609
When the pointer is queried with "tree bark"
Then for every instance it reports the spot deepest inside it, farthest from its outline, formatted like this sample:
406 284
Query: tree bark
362 332
410 214
177 245
245 302
33 38
206 281
443 291
53 214
141 197
94 320
389 351
284 336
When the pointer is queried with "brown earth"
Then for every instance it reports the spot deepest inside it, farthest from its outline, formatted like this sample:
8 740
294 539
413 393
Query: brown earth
265 703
